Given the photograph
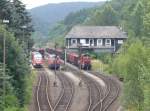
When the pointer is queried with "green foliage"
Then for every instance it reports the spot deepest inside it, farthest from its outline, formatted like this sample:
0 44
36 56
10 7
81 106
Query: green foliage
18 69
133 90
30 79
19 21
137 19
147 97
18 43
133 65
106 17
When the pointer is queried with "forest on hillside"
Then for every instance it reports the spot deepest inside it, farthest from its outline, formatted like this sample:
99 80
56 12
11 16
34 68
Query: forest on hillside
133 61
44 17
16 29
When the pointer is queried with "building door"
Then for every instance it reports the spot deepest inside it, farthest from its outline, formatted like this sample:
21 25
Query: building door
91 42
99 42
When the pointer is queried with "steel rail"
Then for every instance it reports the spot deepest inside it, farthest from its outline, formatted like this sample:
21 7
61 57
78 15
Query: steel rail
110 91
63 80
45 92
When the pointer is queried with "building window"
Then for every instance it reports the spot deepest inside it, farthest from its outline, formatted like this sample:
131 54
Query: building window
87 41
73 41
120 41
108 42
99 42
82 41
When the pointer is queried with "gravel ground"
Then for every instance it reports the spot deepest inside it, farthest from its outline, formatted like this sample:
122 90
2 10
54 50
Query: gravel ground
54 91
80 101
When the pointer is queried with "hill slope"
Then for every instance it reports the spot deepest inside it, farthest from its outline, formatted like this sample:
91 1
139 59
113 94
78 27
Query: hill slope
46 16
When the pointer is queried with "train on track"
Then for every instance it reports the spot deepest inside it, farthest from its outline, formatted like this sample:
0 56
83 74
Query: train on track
53 61
82 61
37 60
42 52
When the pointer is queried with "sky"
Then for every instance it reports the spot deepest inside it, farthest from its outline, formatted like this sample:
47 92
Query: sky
34 3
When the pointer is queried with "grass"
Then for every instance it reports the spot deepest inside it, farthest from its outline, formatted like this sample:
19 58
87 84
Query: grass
29 84
98 65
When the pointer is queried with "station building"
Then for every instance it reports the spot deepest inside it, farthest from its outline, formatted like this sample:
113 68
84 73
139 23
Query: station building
95 38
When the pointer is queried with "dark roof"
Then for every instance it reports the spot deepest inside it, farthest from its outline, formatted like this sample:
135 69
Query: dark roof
96 32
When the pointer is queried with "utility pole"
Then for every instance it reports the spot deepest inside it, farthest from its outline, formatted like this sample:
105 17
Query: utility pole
80 49
65 57
23 28
4 63
25 45
55 83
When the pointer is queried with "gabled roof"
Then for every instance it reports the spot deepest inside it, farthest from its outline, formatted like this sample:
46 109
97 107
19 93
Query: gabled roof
96 32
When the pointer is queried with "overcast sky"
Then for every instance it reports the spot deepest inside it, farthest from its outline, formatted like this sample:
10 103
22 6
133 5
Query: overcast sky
34 3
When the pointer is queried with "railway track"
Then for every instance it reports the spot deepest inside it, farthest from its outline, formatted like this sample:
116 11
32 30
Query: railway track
42 94
100 100
111 94
65 99
95 92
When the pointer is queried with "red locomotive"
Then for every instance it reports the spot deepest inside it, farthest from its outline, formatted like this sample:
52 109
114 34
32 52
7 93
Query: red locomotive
53 61
42 52
83 61
73 58
37 60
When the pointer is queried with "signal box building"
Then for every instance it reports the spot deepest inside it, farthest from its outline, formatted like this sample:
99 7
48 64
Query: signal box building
95 38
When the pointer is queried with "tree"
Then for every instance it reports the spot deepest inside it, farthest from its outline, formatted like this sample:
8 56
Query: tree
109 16
106 17
128 64
4 9
20 21
16 63
16 59
137 19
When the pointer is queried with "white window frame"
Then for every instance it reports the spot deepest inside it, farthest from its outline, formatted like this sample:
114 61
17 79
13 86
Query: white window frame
120 41
72 41
99 43
83 41
107 44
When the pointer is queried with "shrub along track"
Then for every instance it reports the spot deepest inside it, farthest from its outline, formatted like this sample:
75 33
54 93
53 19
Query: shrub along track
65 99
42 94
